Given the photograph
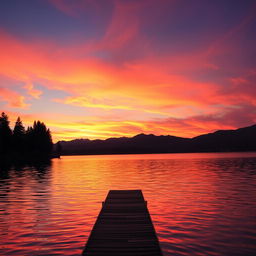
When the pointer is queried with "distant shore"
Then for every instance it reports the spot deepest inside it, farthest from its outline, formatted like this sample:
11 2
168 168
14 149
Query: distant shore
104 154
240 140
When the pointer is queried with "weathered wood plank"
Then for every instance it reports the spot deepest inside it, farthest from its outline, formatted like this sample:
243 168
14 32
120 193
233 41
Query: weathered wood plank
123 227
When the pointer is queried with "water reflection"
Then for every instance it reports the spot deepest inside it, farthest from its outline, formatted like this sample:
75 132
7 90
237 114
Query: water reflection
24 201
201 204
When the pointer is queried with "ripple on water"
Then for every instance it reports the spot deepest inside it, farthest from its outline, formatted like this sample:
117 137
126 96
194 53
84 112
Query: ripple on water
201 204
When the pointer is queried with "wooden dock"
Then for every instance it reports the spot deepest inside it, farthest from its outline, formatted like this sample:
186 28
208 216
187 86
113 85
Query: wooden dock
123 227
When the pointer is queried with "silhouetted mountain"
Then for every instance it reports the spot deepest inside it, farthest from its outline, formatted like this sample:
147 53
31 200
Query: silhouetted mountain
243 139
138 144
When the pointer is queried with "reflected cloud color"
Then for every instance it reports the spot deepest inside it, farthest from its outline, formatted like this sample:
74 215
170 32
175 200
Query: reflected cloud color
201 204
99 69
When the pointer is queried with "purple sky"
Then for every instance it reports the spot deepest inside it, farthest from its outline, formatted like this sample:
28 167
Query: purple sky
107 68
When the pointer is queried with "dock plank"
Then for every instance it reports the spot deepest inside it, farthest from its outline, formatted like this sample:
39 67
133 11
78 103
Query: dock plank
123 227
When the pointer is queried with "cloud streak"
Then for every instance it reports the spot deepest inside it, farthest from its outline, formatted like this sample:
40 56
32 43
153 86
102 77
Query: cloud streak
13 99
124 72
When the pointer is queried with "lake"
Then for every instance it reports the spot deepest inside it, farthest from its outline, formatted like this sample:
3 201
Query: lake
201 204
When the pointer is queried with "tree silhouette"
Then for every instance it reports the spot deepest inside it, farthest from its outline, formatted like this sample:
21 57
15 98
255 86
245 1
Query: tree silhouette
5 134
29 139
31 144
40 139
19 136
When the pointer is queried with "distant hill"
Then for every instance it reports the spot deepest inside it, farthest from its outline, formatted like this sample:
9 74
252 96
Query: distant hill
243 139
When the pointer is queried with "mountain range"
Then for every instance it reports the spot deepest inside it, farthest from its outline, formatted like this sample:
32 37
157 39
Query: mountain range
242 139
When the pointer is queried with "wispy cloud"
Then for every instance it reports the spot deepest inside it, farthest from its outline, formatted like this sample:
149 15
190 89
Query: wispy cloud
130 68
12 99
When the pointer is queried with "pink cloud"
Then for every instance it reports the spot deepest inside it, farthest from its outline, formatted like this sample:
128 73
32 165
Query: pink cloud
12 98
32 91
190 94
136 82
74 8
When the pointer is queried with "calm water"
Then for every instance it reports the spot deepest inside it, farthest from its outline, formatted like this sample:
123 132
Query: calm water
201 204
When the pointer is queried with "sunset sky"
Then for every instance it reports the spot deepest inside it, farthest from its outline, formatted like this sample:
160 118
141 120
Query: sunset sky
112 68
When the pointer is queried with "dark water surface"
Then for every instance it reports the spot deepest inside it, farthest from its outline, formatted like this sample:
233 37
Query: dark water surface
201 204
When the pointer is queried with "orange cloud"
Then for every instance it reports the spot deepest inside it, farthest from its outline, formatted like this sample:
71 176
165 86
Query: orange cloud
67 127
166 90
93 82
12 98
32 91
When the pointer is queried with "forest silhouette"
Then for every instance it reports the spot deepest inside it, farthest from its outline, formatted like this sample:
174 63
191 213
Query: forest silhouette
35 142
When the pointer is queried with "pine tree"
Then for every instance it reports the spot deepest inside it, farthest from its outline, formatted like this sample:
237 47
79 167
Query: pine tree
5 134
36 141
29 139
19 128
48 141
39 138
18 136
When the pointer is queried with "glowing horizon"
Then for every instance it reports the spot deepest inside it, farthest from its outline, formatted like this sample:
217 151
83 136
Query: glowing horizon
99 69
